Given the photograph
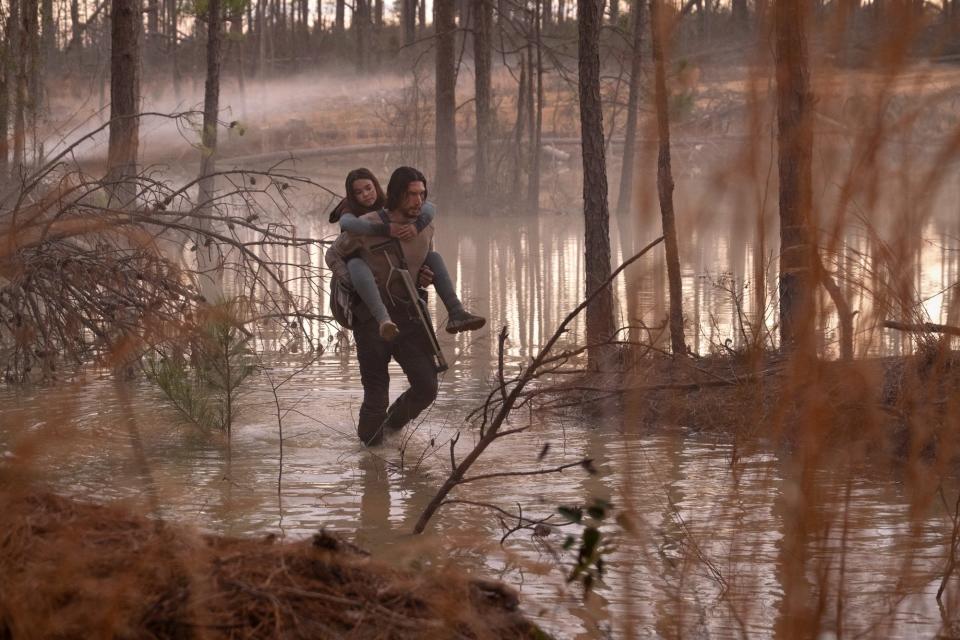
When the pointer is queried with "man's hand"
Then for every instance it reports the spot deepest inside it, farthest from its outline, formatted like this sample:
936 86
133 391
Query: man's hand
425 276
402 231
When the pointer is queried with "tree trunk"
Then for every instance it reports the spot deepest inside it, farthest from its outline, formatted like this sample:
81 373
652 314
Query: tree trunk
152 47
174 45
665 178
284 31
237 42
361 23
482 33
519 129
627 217
33 70
547 10
153 19
614 11
211 277
124 95
798 607
844 312
375 39
408 16
445 25
19 53
273 20
536 112
741 17
262 39
340 18
625 195
795 149
75 32
843 28
48 44
561 11
531 115
5 80
422 13
303 33
596 216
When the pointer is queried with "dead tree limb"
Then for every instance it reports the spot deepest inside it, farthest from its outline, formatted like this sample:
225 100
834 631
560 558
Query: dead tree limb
923 327
844 312
529 373
82 280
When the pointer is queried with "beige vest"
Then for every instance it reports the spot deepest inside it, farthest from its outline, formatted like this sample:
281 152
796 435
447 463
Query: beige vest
414 252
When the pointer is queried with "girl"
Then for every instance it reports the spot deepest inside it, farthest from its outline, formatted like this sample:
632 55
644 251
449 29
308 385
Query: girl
364 195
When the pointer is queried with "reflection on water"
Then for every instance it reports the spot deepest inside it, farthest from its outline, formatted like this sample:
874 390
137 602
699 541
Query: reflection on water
526 272
707 555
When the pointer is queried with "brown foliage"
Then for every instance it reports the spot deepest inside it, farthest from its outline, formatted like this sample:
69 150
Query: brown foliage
71 569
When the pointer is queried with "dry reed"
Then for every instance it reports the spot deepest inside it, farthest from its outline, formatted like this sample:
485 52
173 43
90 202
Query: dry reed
73 569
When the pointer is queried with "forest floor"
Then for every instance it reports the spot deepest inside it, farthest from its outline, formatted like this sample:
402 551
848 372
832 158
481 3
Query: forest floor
72 569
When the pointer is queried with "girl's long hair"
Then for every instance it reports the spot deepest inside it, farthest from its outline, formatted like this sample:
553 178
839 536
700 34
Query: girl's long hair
350 203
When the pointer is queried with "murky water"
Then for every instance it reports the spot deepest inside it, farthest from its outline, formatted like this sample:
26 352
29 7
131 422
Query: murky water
708 546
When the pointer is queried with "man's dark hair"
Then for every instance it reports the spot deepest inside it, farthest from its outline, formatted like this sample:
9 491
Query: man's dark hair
399 181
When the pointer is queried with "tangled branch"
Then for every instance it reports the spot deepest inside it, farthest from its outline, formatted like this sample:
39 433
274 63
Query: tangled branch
81 279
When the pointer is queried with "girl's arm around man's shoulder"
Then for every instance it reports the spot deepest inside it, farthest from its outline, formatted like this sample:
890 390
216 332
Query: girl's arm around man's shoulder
427 213
363 227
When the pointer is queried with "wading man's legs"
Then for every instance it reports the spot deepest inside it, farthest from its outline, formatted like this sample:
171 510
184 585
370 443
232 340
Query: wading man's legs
373 356
412 352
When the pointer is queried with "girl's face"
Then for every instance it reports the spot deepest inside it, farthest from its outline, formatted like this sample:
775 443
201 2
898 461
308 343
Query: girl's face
364 192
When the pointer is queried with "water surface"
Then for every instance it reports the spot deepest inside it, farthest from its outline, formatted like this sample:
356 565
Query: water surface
707 555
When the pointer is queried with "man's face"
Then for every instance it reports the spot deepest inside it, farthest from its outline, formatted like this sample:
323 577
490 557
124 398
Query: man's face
413 199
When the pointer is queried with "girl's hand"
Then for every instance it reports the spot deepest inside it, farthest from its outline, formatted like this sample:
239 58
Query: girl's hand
402 231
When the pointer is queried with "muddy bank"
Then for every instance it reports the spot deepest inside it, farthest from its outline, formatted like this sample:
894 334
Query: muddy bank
897 406
70 569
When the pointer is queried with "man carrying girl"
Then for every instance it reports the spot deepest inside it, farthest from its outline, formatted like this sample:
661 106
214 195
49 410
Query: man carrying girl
387 326
364 196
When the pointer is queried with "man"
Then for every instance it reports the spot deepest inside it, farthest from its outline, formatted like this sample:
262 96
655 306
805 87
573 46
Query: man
406 193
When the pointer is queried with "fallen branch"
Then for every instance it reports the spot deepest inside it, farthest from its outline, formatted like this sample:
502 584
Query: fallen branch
490 434
923 327
531 472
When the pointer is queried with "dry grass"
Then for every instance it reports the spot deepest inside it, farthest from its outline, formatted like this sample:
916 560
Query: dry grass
754 400
72 570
